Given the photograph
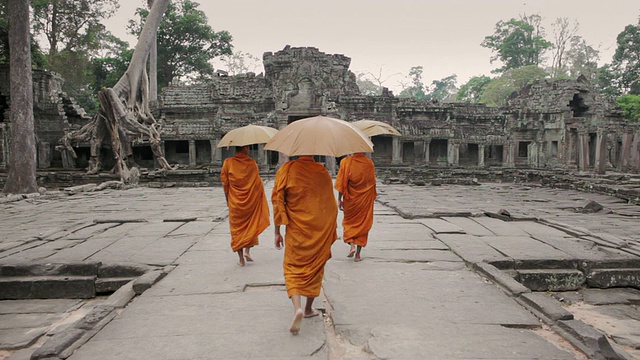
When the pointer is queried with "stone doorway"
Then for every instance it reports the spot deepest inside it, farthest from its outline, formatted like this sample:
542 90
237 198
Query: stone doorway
438 152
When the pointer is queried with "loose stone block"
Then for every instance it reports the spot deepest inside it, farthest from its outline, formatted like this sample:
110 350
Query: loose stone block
606 278
47 287
551 280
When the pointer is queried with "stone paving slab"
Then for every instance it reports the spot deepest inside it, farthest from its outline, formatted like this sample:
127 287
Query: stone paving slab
410 296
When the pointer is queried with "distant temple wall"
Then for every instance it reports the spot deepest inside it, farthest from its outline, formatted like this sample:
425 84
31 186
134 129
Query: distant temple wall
562 124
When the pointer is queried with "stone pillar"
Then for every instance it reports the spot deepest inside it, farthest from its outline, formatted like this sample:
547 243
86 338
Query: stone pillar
330 164
635 152
601 152
625 155
263 159
68 162
427 147
509 154
453 153
583 151
44 155
481 148
396 150
418 150
192 153
216 152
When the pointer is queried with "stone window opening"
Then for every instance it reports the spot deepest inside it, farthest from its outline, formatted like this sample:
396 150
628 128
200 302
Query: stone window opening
578 108
4 105
554 149
523 149
182 147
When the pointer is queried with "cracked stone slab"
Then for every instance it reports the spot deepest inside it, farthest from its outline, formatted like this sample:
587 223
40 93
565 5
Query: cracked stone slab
440 226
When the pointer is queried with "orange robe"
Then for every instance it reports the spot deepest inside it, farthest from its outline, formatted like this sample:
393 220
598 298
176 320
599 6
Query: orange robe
304 202
356 180
248 207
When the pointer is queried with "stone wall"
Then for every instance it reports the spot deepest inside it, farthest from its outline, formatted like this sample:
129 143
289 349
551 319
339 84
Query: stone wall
548 125
53 111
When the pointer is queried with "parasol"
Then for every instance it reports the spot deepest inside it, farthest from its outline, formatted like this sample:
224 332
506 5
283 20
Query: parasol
319 135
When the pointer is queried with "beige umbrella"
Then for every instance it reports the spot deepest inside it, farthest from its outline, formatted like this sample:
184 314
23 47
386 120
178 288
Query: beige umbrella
247 135
319 135
373 128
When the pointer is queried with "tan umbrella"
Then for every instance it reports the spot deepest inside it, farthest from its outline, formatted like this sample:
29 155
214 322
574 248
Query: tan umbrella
373 128
319 135
247 135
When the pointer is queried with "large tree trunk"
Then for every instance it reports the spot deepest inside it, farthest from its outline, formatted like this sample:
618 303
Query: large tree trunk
22 164
153 66
124 109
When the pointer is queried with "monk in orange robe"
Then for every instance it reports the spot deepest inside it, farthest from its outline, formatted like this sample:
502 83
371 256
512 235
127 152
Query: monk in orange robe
247 202
356 185
304 202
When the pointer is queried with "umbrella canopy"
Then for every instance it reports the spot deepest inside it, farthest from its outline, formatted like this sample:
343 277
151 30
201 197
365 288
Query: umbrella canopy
373 128
247 135
319 135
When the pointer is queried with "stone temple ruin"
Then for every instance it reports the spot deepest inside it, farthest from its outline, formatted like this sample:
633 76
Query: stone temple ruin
559 125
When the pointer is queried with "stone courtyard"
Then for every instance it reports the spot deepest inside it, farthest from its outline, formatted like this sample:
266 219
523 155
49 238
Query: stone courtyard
488 271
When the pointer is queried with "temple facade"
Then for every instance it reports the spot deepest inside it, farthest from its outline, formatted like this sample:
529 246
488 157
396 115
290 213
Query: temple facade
562 124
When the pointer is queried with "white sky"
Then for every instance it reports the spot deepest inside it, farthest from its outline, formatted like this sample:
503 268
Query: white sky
442 36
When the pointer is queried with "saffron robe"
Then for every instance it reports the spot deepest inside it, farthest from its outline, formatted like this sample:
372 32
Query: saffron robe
356 180
248 207
303 201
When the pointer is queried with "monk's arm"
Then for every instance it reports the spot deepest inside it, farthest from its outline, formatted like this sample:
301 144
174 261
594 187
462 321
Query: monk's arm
340 201
278 239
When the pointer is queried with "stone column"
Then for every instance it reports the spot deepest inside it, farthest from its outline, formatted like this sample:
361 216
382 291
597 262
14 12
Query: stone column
418 150
263 159
396 150
481 148
509 154
192 153
427 147
330 164
68 162
216 152
44 155
453 153
601 152
635 152
583 151
625 155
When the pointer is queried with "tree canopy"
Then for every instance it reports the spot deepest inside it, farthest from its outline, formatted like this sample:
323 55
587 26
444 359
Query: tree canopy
517 43
472 91
497 90
626 60
186 43
630 104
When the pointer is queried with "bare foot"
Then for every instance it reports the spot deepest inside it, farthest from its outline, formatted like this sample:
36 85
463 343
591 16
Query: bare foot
297 321
311 314
248 257
351 253
241 262
357 259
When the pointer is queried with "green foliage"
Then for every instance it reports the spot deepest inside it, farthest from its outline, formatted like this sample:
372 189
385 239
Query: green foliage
417 89
608 81
186 43
38 59
626 60
517 43
497 90
471 92
443 88
71 25
630 104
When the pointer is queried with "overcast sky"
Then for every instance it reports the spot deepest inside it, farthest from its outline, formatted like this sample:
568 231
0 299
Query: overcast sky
442 36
